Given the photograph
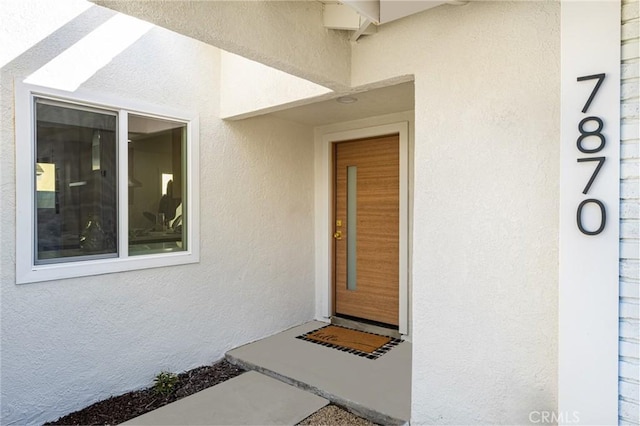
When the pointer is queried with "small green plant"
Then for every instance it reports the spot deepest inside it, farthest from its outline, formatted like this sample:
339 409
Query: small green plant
164 383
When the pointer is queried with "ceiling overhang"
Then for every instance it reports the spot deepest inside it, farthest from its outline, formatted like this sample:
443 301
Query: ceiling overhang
384 11
285 35
363 15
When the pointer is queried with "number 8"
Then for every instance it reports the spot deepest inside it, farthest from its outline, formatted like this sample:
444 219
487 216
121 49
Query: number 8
585 134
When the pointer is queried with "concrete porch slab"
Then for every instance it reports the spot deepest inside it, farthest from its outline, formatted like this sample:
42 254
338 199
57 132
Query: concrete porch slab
379 390
249 399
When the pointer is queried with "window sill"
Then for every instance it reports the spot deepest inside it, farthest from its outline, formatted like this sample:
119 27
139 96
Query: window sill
39 273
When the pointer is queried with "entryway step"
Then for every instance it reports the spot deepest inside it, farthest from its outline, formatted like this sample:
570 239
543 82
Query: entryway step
377 389
363 326
249 399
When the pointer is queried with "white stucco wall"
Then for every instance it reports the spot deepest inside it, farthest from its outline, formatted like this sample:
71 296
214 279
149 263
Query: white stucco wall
68 343
288 35
485 255
248 86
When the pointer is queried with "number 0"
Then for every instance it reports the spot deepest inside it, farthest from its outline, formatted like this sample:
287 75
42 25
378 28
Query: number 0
603 216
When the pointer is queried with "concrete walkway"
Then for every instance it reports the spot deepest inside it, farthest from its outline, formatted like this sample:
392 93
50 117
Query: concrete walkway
290 379
249 399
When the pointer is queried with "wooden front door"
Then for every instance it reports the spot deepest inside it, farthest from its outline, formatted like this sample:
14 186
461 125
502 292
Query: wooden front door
366 226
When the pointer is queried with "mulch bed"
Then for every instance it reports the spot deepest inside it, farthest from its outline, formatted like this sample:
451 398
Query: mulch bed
118 409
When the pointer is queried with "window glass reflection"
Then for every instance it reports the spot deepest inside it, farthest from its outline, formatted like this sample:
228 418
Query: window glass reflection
157 185
75 182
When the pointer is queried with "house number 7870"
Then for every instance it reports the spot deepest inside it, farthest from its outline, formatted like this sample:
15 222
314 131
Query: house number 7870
591 142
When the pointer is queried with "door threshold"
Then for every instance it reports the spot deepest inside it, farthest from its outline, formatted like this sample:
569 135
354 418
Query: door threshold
364 326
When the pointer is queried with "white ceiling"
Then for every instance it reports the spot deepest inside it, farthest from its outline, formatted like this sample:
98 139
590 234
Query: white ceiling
386 100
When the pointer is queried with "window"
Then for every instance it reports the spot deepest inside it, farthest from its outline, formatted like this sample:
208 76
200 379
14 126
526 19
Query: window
76 187
156 185
102 188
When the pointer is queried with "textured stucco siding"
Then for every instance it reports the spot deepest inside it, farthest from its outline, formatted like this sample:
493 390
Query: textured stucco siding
247 86
486 202
66 344
287 35
629 371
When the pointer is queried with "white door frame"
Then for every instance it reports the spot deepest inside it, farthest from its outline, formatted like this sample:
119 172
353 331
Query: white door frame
324 215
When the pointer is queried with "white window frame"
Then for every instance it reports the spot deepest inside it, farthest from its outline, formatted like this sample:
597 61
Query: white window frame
26 269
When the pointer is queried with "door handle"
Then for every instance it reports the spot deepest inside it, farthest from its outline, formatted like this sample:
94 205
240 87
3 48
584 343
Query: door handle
337 235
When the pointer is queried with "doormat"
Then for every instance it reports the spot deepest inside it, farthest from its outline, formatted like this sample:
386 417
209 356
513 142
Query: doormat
361 343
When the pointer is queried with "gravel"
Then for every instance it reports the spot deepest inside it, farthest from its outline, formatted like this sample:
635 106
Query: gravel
334 415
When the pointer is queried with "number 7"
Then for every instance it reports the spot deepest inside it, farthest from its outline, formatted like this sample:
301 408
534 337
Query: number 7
600 78
600 161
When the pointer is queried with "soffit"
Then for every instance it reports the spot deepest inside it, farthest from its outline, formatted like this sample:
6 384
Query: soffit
381 101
